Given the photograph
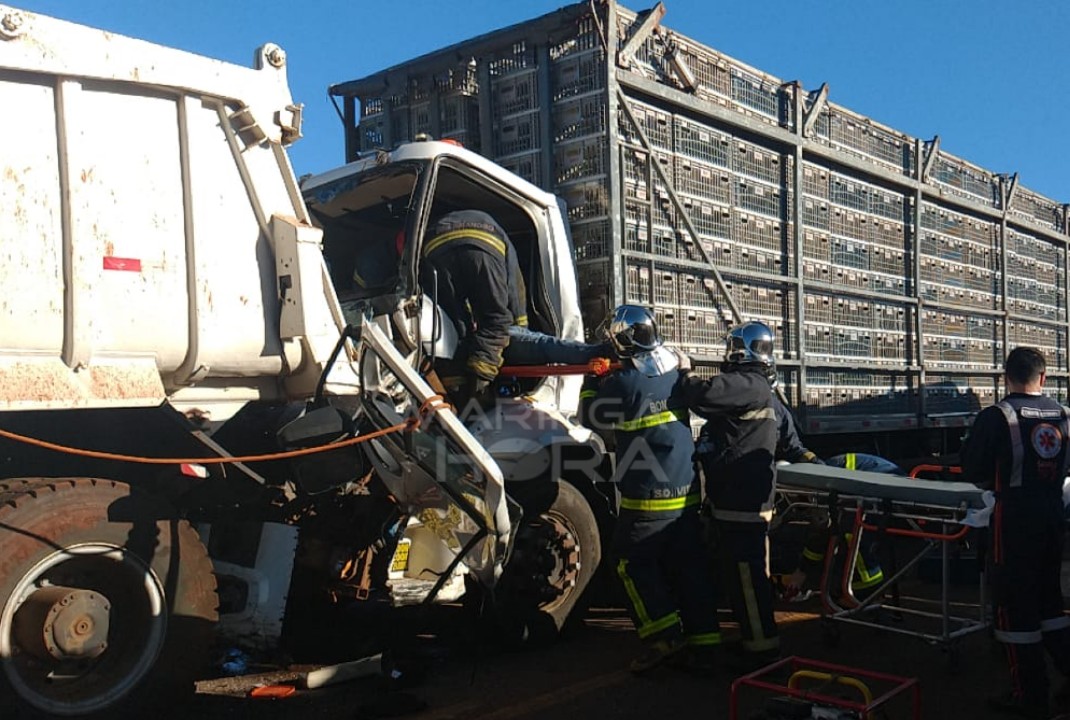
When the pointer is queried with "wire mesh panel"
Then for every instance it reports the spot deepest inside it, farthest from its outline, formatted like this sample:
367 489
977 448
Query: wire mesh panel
706 184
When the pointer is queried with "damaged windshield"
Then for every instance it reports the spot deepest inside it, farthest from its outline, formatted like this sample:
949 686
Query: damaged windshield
365 220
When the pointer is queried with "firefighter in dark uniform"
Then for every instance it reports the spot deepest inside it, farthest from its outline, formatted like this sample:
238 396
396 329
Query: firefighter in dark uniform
1018 449
658 544
738 461
472 266
470 261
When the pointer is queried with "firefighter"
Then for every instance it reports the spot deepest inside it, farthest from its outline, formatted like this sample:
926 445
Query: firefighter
470 263
867 574
739 466
1018 449
658 546
472 267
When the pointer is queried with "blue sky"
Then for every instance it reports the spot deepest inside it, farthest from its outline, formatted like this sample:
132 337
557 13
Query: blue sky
988 76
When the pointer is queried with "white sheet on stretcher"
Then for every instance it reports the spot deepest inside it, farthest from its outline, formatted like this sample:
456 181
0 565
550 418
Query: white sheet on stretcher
937 493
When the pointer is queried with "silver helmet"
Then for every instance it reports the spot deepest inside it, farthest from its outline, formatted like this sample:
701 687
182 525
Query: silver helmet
752 343
632 330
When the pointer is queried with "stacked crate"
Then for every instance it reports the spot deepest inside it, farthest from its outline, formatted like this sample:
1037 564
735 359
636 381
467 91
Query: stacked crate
895 275
695 196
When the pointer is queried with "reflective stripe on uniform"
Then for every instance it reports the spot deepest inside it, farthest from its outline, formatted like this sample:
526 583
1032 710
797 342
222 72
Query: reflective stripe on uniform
713 638
1031 637
660 504
522 320
584 394
762 414
1016 442
1057 623
483 368
865 578
850 461
812 556
482 236
650 421
645 627
758 642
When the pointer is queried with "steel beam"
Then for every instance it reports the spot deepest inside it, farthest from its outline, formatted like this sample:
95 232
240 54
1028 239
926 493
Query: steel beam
680 208
816 108
647 26
929 158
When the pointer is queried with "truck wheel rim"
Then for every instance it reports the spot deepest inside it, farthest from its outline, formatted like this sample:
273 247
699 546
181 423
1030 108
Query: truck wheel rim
137 609
559 548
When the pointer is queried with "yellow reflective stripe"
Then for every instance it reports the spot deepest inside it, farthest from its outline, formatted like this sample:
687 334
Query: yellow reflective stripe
588 394
359 280
750 604
866 580
763 414
670 620
645 627
650 421
483 368
522 321
438 241
660 504
713 638
811 555
850 461
633 593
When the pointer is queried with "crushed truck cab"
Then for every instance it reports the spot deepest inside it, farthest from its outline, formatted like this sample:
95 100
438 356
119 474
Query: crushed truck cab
201 442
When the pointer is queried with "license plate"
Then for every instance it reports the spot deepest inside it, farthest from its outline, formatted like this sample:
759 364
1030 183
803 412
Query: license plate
400 563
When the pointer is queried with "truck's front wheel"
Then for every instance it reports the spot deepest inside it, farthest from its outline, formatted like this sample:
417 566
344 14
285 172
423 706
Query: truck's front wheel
554 558
105 601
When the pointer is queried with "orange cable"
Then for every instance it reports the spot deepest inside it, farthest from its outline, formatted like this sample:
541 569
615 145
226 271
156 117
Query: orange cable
407 425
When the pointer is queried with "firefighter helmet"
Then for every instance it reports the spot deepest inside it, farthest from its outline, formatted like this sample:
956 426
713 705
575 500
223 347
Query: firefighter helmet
632 330
752 343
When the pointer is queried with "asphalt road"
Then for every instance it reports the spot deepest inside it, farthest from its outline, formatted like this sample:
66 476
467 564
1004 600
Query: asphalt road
448 675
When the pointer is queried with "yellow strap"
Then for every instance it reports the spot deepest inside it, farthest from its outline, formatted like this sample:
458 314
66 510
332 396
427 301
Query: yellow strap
712 638
588 394
850 461
438 241
650 421
522 321
660 504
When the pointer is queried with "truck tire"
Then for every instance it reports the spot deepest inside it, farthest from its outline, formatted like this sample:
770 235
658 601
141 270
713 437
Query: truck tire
107 601
543 590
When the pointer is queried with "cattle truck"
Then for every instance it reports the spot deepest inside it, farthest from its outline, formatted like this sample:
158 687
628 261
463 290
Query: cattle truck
199 444
895 275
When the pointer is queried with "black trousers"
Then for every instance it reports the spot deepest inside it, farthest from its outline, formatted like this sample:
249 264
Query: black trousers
1027 556
743 554
664 566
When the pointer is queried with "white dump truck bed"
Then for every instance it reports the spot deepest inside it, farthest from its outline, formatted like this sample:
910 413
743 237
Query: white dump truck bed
147 200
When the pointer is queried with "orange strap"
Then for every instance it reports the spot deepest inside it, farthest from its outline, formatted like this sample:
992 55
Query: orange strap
597 366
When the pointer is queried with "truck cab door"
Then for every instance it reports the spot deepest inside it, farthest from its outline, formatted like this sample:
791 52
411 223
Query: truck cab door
435 469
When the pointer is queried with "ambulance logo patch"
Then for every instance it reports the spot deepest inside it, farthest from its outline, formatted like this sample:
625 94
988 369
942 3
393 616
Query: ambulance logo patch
1047 440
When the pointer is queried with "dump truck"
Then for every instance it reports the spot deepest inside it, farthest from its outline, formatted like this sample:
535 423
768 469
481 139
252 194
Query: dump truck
201 447
895 275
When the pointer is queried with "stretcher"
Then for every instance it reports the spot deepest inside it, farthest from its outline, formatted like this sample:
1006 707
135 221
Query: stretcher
905 513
